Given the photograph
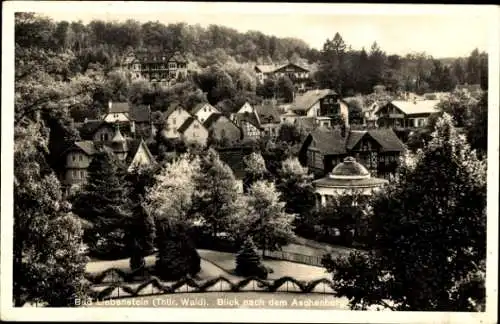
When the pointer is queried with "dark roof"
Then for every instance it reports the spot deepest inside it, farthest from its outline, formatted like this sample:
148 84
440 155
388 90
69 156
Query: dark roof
186 124
87 147
197 108
386 137
140 113
119 107
88 128
267 114
212 119
332 142
157 57
234 159
329 141
354 137
247 117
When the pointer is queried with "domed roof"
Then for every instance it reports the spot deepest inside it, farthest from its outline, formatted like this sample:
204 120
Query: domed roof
349 174
349 169
119 143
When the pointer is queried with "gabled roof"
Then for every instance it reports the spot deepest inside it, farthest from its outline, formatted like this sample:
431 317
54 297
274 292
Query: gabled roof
156 57
199 106
133 147
267 68
172 108
140 113
386 137
267 114
190 120
270 68
309 98
247 117
88 128
417 106
328 141
332 142
119 107
213 118
87 147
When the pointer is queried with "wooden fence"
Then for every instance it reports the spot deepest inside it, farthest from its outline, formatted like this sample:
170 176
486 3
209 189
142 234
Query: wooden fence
313 260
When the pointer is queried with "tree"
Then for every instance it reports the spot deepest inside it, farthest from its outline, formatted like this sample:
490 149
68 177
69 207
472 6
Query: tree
295 185
290 133
255 169
215 192
477 128
264 218
428 233
286 88
111 208
48 261
169 201
248 262
140 230
332 73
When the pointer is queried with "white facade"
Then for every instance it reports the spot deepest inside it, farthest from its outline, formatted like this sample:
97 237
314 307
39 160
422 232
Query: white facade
245 108
174 121
141 158
206 111
116 117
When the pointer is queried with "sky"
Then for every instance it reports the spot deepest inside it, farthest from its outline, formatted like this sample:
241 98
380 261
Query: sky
440 31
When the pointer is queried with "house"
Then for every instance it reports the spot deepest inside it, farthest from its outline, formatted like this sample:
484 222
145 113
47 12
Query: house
269 119
249 124
175 116
78 156
324 105
299 75
96 130
234 158
203 111
376 149
288 117
246 108
117 112
133 119
160 68
406 113
193 131
223 129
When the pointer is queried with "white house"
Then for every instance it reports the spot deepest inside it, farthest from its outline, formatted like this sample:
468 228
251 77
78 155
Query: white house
175 118
117 112
203 110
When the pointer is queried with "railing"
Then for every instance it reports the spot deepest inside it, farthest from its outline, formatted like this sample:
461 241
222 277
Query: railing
154 286
313 260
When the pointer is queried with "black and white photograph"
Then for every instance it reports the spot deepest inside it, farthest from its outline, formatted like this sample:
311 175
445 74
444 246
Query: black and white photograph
249 162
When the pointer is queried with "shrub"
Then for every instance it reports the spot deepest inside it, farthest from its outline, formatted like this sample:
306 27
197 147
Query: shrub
177 256
249 263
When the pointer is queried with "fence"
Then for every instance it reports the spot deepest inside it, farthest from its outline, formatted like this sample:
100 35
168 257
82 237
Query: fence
313 260
154 286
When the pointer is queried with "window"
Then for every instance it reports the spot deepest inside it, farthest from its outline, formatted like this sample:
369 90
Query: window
205 109
73 157
195 125
82 174
75 173
172 65
80 157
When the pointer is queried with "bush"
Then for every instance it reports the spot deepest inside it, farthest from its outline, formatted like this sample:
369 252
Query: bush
109 247
177 256
249 263
203 239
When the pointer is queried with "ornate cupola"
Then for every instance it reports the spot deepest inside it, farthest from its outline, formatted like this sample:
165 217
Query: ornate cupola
119 145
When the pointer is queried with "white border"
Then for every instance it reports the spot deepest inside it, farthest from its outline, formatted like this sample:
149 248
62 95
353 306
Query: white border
490 14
